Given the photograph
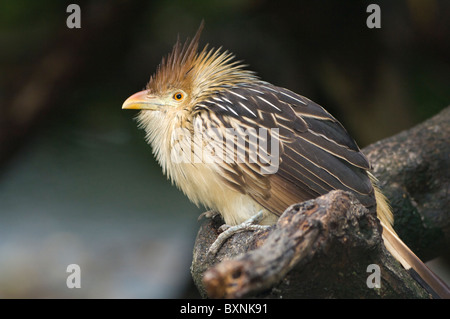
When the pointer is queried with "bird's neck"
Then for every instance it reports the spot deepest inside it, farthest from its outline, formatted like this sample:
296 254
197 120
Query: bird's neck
161 130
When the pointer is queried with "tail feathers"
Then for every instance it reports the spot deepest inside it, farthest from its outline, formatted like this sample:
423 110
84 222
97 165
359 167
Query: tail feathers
415 267
384 211
431 282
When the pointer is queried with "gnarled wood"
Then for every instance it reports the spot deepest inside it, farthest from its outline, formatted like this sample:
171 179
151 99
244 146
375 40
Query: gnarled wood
322 248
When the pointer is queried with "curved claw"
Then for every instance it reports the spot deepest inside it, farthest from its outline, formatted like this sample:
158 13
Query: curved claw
249 224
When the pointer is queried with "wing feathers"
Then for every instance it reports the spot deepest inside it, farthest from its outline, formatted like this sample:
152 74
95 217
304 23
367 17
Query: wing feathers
315 152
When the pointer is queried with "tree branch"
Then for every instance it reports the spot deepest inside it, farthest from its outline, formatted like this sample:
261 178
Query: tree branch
322 248
413 170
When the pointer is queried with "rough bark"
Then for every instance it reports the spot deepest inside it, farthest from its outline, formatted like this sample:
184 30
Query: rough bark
322 248
413 169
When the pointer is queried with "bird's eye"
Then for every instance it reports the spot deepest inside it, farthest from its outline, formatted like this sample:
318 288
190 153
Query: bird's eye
178 96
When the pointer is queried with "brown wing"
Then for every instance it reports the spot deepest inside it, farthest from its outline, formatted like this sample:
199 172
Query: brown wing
315 152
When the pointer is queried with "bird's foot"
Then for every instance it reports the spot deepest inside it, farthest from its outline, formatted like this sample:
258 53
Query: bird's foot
228 231
207 214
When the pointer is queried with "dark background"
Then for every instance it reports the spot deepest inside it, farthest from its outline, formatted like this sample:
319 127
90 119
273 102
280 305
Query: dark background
78 183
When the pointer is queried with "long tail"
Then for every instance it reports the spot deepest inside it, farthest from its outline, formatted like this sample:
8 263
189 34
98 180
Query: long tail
427 278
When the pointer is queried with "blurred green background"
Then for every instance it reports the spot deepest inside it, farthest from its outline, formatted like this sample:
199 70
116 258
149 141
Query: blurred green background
78 183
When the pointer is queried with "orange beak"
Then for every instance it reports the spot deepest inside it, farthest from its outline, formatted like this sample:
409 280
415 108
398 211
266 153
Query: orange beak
142 101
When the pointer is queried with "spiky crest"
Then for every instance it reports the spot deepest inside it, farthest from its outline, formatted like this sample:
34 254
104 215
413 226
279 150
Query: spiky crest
198 74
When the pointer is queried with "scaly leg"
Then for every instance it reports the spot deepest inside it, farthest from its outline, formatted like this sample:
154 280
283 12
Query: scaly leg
228 231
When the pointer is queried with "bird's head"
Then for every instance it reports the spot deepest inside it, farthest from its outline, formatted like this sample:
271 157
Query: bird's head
187 77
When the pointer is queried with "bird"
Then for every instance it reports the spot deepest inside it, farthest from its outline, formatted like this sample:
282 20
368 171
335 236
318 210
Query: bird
247 149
